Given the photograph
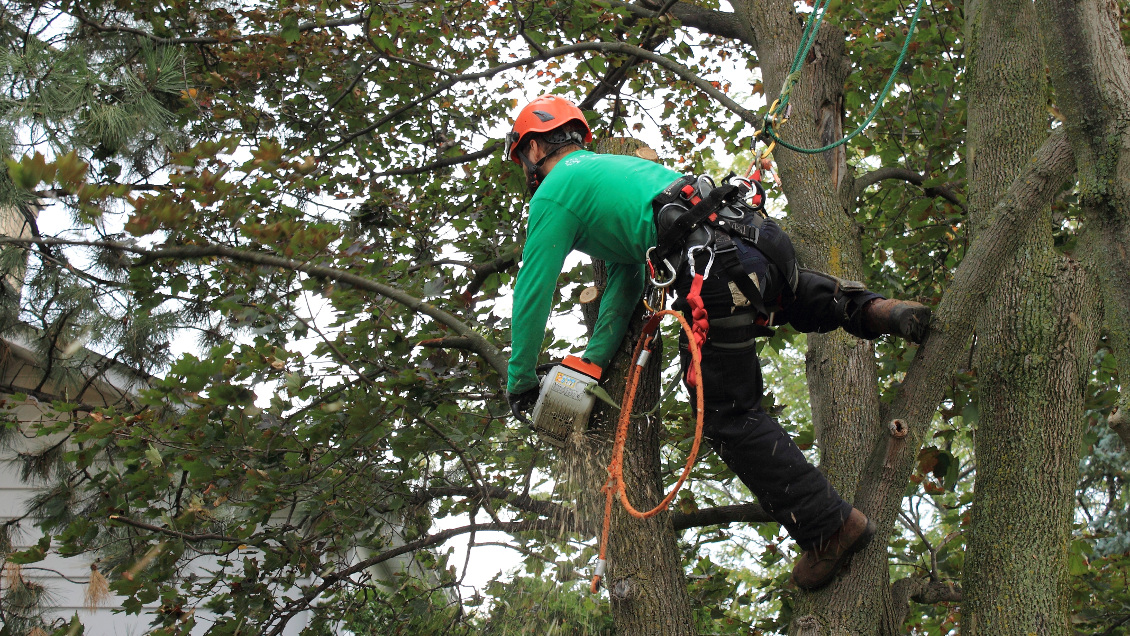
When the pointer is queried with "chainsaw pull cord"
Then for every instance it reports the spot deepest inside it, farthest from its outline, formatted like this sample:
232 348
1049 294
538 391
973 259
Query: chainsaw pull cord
614 486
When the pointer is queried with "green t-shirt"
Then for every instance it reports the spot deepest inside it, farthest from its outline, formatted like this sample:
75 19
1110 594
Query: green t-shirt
600 205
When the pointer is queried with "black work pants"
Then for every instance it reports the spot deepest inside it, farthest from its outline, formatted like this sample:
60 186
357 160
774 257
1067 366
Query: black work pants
751 442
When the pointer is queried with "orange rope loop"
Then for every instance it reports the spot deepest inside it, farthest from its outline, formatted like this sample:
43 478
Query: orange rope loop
615 484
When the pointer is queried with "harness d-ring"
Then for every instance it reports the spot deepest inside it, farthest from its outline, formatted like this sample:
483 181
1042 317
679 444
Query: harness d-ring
670 268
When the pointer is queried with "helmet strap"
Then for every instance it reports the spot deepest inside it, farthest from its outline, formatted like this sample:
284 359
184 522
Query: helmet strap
533 179
554 143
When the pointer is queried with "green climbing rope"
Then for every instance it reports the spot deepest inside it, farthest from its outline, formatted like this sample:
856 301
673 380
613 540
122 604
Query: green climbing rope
779 107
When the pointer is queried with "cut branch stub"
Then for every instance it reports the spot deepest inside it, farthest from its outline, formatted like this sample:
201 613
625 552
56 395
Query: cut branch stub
899 428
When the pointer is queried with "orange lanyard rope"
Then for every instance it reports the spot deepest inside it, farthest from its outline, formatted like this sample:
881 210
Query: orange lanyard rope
615 484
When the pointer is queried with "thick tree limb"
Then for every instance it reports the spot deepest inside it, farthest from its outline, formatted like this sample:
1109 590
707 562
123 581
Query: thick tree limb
903 174
1090 71
892 460
708 21
722 515
742 513
190 252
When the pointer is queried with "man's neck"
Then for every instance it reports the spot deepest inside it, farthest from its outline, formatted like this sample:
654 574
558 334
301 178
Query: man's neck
552 161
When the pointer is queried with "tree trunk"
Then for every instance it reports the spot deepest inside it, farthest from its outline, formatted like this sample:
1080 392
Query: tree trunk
1090 72
908 416
645 579
841 372
1033 350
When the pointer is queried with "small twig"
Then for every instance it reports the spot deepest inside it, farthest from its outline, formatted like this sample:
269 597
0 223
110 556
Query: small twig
333 347
909 176
472 468
176 533
296 605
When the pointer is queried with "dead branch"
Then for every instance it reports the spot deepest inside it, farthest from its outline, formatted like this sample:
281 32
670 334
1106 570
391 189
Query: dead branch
921 590
722 515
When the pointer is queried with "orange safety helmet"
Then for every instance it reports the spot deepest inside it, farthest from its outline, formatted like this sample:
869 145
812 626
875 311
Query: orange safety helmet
542 115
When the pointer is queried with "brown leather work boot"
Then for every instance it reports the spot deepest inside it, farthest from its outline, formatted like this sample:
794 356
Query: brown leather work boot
815 568
904 318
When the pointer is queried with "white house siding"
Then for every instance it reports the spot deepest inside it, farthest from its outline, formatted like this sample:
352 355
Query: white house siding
65 578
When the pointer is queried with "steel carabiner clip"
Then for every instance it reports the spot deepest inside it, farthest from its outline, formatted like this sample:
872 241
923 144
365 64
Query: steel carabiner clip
693 251
670 268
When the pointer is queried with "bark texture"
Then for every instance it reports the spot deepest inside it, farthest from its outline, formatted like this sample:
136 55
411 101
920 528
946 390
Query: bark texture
1033 354
1090 71
892 461
645 580
840 368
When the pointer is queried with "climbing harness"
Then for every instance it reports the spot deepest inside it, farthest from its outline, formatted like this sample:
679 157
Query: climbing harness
704 226
693 212
778 113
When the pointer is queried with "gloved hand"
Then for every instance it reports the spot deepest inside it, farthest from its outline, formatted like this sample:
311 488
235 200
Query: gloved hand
522 402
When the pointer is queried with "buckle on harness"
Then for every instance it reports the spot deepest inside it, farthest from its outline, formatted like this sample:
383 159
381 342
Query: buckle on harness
670 268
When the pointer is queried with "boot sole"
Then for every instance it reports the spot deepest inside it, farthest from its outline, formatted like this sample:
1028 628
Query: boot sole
861 542
914 324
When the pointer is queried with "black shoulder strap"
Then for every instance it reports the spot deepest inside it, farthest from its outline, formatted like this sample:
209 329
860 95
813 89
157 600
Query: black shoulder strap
672 237
673 191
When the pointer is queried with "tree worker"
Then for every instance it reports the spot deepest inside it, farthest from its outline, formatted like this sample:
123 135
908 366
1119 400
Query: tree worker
608 206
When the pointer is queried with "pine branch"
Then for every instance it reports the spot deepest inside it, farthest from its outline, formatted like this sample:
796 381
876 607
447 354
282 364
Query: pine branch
194 252
81 16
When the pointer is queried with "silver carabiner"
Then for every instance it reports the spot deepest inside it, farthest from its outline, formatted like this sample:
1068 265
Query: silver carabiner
670 268
709 263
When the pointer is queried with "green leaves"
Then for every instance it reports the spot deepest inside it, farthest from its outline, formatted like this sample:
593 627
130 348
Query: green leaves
30 172
33 554
276 419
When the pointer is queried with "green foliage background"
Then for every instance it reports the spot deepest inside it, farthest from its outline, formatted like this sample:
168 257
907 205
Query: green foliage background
306 421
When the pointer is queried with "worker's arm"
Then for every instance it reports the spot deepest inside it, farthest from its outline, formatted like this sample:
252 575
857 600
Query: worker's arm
625 286
550 236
